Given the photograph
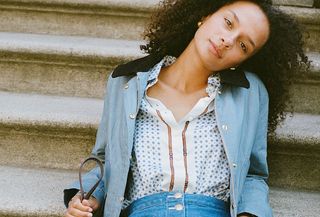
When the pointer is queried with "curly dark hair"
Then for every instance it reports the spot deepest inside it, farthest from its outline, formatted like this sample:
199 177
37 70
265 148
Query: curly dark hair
277 63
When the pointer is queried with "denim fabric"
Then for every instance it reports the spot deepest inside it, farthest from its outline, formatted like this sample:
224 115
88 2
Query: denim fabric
176 204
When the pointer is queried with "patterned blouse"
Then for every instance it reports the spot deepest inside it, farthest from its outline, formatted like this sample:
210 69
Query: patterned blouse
186 156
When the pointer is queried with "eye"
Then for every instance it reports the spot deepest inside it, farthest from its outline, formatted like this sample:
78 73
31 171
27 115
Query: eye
243 47
228 22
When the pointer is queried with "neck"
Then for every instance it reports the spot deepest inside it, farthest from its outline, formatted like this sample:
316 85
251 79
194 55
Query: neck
188 73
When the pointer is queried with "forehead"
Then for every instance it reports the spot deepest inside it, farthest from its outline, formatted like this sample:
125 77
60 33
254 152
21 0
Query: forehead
251 18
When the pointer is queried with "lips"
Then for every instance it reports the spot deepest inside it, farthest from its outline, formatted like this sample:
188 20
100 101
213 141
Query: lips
214 49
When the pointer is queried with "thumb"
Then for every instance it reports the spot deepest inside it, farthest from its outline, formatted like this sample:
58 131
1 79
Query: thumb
92 202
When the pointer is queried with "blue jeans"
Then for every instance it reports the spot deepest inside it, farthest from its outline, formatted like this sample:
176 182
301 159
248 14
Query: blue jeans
178 204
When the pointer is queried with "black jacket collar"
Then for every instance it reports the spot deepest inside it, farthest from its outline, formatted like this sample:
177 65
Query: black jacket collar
237 78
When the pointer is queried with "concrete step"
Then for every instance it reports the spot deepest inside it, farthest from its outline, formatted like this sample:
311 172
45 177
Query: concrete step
33 192
60 65
47 131
299 3
42 131
305 91
120 19
38 193
310 20
294 153
294 203
79 66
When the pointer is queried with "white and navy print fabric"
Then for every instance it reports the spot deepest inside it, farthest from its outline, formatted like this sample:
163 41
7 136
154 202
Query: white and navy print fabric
186 156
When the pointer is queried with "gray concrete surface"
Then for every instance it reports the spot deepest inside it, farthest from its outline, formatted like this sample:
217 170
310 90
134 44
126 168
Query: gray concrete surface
41 131
60 65
309 18
68 46
304 127
294 156
109 19
305 91
38 192
287 203
33 192
301 3
125 4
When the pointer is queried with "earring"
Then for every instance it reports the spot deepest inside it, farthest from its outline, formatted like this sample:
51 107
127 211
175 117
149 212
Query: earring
233 68
199 23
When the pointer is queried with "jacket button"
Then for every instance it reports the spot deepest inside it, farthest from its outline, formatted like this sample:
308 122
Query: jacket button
178 195
225 127
132 116
126 86
121 199
179 207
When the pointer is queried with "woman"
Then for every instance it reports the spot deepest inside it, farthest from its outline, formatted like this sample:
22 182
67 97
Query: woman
184 129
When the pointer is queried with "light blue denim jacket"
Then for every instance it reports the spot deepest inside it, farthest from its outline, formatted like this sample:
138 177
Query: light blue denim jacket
242 116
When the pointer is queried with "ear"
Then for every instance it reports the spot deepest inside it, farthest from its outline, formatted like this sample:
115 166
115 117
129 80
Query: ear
203 19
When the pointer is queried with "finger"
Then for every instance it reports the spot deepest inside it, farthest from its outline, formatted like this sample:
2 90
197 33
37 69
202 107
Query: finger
88 204
76 204
92 202
79 213
67 214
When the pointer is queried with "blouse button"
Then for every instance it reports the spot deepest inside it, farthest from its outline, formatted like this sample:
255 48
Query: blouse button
234 165
126 86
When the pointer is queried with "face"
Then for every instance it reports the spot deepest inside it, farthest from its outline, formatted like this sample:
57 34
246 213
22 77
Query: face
231 35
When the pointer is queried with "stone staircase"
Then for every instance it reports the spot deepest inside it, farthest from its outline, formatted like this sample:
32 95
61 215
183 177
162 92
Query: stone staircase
55 57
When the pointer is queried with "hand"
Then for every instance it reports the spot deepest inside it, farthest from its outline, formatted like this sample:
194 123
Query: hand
84 209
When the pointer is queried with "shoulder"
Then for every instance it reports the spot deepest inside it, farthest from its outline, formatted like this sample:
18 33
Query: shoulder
256 84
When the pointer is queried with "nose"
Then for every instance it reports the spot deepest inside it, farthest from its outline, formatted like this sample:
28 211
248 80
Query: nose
227 41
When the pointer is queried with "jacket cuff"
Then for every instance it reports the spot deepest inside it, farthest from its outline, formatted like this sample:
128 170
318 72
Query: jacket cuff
74 189
255 198
254 211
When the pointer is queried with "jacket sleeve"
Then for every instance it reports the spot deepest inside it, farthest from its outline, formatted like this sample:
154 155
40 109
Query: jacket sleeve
254 198
90 178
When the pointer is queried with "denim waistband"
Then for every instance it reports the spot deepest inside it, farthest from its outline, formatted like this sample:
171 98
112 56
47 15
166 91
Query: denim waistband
165 198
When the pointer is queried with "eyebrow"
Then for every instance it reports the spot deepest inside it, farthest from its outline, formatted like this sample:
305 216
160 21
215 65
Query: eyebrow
238 21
